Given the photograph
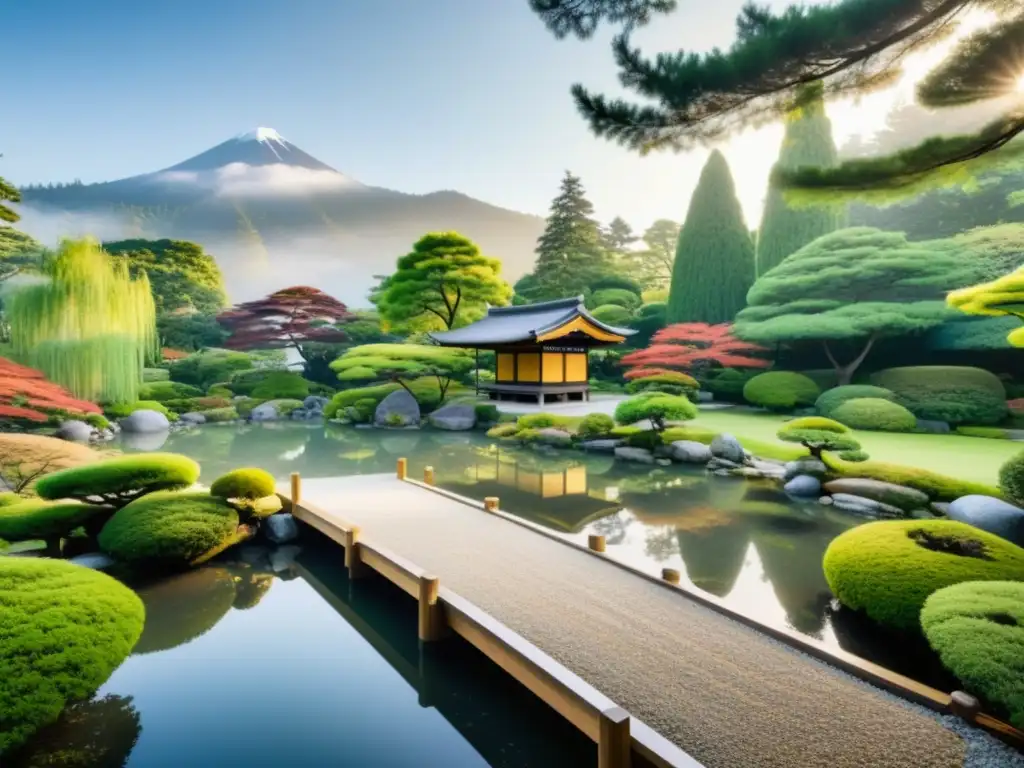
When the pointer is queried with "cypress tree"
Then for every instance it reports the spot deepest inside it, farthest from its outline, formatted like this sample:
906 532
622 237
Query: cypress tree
785 230
714 264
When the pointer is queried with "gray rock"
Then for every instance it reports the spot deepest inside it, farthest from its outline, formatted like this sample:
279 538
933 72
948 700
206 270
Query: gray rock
601 446
264 412
727 447
921 514
315 403
717 463
860 505
95 560
940 508
813 467
803 486
634 454
663 462
722 472
145 422
299 414
990 514
74 430
399 409
878 490
192 418
554 436
932 426
690 452
825 501
280 528
283 558
454 417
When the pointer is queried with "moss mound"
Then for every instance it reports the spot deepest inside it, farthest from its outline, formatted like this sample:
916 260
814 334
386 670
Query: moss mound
956 394
35 519
1011 478
247 483
875 414
119 480
167 528
833 398
888 569
938 487
977 628
781 390
63 630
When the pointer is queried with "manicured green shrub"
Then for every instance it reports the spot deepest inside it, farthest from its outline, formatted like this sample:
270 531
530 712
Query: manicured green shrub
121 410
875 414
36 519
365 409
220 390
615 296
726 384
977 628
281 384
612 314
657 407
669 383
502 430
219 415
854 456
648 439
162 391
486 413
169 529
830 400
989 433
938 487
697 434
97 420
209 403
246 483
956 394
1011 479
888 569
284 406
210 366
781 390
119 480
595 425
543 420
817 434
426 391
244 407
64 629
817 422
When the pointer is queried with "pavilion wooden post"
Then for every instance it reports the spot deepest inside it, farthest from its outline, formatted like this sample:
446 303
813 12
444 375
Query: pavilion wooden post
428 475
296 489
596 542
613 745
402 468
354 564
431 616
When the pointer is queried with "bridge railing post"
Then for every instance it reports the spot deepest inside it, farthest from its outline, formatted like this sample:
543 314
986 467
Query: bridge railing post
431 617
614 747
491 503
596 542
353 563
402 468
296 489
671 575
428 475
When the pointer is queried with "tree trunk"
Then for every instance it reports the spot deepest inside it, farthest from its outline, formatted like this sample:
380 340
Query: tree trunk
844 373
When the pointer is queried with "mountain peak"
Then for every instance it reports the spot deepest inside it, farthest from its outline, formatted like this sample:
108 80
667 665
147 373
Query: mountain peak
262 134
260 147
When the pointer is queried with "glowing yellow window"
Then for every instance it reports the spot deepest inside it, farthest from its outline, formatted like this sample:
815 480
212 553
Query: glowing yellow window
553 371
576 367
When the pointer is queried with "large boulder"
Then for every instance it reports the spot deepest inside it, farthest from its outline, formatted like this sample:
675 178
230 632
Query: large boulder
399 409
454 416
807 466
859 505
280 529
192 418
727 447
990 514
640 455
264 412
878 490
690 452
803 486
145 422
74 430
315 403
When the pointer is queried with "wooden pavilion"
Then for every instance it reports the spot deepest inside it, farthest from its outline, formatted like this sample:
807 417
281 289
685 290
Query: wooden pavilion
540 349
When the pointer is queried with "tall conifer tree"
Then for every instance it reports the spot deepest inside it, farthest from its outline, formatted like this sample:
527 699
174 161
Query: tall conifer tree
570 251
784 229
714 265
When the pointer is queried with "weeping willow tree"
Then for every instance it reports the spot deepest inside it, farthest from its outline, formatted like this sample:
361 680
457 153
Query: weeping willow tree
87 324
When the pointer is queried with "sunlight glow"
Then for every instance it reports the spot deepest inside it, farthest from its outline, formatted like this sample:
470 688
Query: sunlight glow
1020 84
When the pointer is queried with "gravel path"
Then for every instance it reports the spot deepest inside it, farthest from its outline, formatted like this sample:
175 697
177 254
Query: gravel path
722 692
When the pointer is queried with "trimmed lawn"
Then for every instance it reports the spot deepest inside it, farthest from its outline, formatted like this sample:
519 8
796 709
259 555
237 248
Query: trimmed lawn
968 458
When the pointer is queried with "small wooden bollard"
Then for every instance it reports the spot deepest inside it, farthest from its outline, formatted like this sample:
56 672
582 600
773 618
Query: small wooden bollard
614 748
402 469
964 706
491 503
355 566
431 619
596 542
428 475
671 575
296 489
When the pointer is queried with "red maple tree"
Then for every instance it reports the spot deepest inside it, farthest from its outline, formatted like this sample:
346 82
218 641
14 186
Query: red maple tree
692 346
287 318
26 395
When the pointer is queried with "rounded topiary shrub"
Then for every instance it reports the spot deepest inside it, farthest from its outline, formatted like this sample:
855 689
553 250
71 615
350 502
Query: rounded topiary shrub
874 413
1011 478
119 480
612 314
671 383
781 391
955 394
169 529
657 407
977 628
246 483
831 399
36 519
595 425
888 569
63 630
615 296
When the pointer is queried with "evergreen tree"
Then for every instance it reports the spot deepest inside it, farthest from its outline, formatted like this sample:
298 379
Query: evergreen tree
714 266
8 193
570 251
652 266
618 236
784 229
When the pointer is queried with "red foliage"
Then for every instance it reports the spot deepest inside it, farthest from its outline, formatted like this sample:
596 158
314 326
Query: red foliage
687 345
287 318
26 394
172 354
1016 405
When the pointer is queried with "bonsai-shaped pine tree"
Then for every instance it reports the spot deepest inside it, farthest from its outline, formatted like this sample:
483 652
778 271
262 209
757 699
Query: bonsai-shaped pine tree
692 347
1002 297
403 363
818 434
658 407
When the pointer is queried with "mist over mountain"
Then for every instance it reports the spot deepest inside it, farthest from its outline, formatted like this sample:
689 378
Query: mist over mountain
274 215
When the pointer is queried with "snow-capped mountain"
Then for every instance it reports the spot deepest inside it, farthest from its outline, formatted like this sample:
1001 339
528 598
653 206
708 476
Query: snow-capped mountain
262 146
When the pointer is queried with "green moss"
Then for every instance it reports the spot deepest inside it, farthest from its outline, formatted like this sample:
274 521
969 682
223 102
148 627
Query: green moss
888 569
121 410
769 450
35 519
10 498
595 425
956 394
167 528
697 434
875 414
63 630
425 389
150 375
97 420
220 390
1011 478
671 383
245 483
989 433
833 398
781 391
220 415
119 480
162 391
284 407
542 421
486 413
281 384
502 430
938 487
816 422
977 628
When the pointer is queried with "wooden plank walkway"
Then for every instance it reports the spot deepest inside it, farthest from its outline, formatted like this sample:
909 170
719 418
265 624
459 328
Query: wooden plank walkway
724 693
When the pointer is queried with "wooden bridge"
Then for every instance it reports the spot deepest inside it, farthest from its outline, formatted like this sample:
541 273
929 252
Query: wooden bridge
652 675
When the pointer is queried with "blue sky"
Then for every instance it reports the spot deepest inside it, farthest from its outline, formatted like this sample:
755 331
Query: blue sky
415 95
